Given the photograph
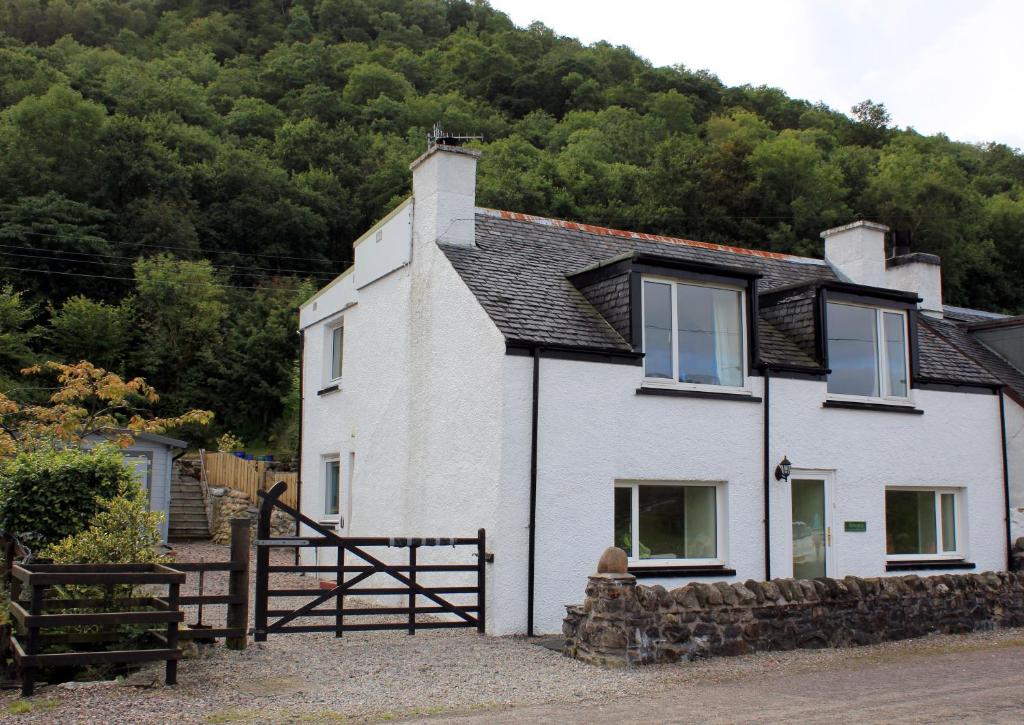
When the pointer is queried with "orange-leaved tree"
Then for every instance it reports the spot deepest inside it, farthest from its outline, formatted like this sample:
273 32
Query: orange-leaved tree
87 400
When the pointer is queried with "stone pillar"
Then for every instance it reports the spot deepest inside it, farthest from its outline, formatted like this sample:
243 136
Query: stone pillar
608 628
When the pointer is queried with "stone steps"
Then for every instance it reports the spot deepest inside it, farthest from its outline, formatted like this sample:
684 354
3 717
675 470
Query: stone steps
187 520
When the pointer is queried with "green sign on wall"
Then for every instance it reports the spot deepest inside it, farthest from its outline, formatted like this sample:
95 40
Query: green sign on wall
857 526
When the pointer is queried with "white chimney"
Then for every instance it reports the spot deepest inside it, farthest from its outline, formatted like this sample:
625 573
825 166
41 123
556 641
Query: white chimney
917 272
857 252
444 195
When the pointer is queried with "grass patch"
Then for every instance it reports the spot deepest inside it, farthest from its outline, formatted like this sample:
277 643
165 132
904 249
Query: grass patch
236 715
23 707
389 715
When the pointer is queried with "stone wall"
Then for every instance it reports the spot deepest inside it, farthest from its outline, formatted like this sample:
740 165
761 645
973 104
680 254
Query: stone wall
1017 555
622 624
228 504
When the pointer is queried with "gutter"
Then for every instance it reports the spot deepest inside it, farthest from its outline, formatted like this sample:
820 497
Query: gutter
1006 480
302 406
766 454
531 557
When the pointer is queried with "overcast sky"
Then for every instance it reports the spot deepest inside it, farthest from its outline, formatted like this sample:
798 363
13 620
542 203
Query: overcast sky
951 66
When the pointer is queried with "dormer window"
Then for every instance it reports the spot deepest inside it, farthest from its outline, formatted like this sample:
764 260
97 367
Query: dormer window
693 333
867 351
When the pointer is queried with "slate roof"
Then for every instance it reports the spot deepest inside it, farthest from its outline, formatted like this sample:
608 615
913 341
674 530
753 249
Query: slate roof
519 268
994 364
519 272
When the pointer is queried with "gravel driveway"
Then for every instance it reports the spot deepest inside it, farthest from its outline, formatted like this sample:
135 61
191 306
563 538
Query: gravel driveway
459 675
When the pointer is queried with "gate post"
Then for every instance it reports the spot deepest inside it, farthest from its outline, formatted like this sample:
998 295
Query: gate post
270 498
481 581
238 583
412 592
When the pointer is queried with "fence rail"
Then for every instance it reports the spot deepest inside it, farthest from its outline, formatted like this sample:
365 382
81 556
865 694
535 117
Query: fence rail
249 477
28 641
330 603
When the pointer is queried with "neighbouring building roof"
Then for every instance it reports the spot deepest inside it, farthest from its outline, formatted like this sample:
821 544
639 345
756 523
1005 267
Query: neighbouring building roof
520 272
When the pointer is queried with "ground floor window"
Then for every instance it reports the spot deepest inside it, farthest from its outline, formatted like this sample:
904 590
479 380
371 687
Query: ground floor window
667 521
332 486
922 522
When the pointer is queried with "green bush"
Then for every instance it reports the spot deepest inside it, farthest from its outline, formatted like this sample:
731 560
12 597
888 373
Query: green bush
48 495
122 532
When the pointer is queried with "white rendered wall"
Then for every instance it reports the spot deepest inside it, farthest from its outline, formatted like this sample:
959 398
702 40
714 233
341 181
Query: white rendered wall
956 443
924 279
420 405
595 430
857 252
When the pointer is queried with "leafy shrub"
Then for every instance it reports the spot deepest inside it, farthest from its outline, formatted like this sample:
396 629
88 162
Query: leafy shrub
122 532
46 495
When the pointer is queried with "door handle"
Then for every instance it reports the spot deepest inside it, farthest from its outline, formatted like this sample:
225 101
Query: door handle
341 522
828 535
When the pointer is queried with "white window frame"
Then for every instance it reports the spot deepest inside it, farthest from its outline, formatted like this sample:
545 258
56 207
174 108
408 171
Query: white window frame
720 523
881 358
328 351
958 524
325 461
674 382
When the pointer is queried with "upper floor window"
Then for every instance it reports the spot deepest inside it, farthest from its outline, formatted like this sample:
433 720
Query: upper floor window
693 333
867 351
337 341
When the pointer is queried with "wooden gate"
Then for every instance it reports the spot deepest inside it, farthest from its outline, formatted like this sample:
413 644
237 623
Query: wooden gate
356 568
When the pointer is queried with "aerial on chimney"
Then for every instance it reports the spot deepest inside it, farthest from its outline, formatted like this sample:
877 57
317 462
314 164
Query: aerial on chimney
901 242
439 137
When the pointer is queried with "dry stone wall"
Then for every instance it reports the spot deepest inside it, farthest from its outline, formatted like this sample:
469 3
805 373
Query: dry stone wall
228 504
622 624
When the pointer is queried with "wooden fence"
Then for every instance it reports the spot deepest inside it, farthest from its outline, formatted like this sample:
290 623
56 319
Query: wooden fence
224 469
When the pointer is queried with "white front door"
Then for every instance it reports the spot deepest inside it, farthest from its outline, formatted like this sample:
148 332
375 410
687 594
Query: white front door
811 538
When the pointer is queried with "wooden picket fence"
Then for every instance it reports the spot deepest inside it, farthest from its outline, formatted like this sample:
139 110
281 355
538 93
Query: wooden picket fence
224 469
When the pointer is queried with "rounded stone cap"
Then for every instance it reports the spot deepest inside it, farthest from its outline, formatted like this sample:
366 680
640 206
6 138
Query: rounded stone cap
613 561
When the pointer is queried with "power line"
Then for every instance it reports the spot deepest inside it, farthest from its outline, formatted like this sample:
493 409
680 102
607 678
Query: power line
131 279
320 260
42 254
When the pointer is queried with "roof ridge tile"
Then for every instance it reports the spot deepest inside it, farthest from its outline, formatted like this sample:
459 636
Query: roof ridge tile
644 236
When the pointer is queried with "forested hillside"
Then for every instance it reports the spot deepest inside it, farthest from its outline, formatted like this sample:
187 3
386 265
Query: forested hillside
176 175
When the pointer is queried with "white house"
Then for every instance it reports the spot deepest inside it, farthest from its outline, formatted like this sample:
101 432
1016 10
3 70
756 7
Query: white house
568 387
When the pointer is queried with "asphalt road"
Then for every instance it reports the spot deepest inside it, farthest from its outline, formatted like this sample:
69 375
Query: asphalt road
981 686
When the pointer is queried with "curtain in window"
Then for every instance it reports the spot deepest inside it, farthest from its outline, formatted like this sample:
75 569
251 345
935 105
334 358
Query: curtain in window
728 348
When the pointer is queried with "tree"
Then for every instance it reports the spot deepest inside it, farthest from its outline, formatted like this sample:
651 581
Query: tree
368 81
48 143
180 308
84 329
86 401
871 114
15 335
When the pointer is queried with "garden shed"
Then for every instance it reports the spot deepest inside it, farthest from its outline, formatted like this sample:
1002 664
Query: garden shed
152 456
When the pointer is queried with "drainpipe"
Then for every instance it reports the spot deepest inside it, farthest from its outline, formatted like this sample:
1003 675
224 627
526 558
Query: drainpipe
766 453
1006 480
302 407
531 557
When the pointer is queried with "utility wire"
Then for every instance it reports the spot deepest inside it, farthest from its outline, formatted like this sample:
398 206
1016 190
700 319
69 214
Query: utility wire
43 254
207 250
131 279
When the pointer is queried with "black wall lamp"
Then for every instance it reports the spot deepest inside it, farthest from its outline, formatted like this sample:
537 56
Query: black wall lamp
782 470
